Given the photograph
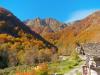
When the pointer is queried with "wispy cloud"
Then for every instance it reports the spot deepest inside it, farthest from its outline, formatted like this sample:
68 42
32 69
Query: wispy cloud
78 15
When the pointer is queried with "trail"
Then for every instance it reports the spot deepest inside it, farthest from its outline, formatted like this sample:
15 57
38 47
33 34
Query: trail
75 70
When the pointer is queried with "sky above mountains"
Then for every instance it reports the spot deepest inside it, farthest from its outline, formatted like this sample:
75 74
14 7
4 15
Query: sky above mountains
62 10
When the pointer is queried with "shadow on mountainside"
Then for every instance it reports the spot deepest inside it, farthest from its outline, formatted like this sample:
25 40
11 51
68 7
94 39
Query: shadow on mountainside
9 22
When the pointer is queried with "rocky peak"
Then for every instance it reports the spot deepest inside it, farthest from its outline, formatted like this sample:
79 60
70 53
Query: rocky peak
51 23
37 21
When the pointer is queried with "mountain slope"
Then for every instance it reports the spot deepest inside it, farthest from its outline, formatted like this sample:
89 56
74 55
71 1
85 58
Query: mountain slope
92 33
65 36
84 31
36 41
19 44
10 24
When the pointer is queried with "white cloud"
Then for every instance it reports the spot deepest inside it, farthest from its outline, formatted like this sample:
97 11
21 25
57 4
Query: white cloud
78 15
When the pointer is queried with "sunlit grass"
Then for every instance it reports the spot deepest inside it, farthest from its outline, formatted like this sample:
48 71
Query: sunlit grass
63 66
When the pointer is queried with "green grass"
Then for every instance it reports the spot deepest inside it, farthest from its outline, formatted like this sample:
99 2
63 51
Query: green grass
79 73
60 67
63 66
54 67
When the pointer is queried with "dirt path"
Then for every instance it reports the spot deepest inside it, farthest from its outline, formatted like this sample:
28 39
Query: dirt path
75 70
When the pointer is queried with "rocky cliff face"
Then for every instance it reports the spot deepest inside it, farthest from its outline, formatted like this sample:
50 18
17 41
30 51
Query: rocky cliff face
47 25
92 49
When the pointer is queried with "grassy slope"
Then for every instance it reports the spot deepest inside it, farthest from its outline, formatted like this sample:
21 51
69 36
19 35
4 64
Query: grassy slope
63 66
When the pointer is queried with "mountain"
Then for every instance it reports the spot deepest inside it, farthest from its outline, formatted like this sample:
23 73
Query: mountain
92 32
66 36
90 22
18 42
10 24
45 25
86 30
36 41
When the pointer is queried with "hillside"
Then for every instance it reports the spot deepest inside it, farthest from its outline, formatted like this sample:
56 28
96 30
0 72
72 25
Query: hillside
18 42
66 36
10 24
42 40
92 33
83 31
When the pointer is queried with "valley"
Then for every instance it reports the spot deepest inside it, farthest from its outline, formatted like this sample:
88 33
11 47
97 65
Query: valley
35 43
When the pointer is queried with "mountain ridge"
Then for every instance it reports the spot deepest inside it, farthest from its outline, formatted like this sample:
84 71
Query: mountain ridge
48 24
30 41
12 25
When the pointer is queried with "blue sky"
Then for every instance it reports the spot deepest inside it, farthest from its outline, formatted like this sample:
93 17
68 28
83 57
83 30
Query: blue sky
62 10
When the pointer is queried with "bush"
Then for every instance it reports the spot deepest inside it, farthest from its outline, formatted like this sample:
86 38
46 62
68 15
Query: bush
74 56
42 69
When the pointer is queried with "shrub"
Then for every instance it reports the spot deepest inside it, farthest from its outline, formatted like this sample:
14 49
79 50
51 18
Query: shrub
42 69
74 55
